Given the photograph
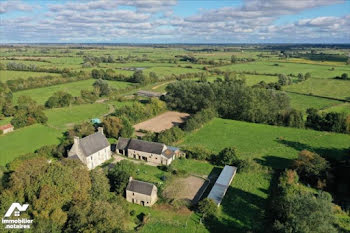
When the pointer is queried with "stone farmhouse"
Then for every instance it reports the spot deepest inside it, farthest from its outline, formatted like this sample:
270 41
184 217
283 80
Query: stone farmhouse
141 193
92 150
6 128
154 152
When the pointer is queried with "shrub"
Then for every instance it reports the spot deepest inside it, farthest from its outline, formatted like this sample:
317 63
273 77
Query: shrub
228 156
171 135
207 208
311 167
198 152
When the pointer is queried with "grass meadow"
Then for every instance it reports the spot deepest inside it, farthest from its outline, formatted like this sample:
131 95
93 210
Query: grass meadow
303 102
63 118
26 140
41 95
12 75
273 148
317 71
333 88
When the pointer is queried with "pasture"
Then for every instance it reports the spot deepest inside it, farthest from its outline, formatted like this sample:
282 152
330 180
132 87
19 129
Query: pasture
12 75
42 94
272 148
333 88
317 71
63 118
303 102
26 140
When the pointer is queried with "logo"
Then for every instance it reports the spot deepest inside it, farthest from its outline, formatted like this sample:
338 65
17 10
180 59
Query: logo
15 211
20 208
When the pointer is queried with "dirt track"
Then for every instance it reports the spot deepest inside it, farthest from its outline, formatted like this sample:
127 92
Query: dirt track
162 122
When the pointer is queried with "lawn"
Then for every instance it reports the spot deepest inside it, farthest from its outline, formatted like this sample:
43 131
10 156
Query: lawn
26 140
42 94
273 148
11 75
63 118
303 102
333 88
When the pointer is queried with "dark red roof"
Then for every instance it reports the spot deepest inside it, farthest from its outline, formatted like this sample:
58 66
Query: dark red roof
8 126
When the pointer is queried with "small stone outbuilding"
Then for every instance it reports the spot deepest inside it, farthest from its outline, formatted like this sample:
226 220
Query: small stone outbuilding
6 128
141 193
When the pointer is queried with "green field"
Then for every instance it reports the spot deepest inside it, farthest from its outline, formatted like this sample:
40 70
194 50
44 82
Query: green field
303 102
271 146
11 75
6 120
333 88
63 118
42 94
318 71
26 140
344 107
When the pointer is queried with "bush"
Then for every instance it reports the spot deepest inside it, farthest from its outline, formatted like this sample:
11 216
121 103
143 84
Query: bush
200 118
311 167
228 156
207 208
198 152
171 135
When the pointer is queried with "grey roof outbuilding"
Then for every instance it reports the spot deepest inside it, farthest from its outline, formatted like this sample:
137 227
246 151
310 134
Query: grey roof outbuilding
221 185
122 143
145 146
140 187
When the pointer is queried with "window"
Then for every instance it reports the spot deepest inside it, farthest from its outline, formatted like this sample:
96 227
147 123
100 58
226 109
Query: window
133 194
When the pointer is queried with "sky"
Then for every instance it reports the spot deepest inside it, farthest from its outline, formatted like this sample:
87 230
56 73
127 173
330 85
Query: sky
175 21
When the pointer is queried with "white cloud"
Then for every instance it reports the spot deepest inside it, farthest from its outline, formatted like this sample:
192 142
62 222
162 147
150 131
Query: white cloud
127 20
7 6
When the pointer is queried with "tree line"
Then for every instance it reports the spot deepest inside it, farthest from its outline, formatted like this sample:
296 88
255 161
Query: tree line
233 99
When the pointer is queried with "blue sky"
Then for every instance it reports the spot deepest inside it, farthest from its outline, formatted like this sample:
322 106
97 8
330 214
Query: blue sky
175 21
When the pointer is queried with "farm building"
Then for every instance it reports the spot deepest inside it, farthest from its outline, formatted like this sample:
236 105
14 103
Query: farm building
221 185
6 128
92 150
141 193
149 94
153 152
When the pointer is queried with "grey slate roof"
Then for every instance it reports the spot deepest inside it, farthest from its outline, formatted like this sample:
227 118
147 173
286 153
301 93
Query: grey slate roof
145 146
93 143
221 185
122 143
140 187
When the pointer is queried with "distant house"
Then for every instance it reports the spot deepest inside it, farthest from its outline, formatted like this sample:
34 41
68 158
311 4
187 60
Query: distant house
141 193
153 152
6 128
92 150
221 185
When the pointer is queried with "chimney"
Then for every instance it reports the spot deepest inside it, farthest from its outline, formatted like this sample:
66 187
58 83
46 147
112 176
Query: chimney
130 178
76 140
100 130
